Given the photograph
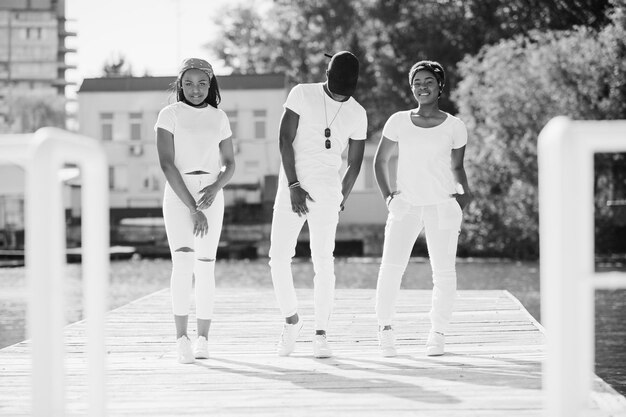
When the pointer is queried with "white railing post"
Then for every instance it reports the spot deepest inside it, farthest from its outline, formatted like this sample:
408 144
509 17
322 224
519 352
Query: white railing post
43 155
563 311
45 260
568 279
95 262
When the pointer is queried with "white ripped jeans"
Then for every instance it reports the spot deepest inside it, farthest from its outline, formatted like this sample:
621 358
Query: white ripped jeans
322 220
192 256
442 223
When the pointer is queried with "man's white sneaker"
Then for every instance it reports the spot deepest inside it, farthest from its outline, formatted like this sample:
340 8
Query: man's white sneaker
434 344
387 343
185 355
201 351
320 347
287 342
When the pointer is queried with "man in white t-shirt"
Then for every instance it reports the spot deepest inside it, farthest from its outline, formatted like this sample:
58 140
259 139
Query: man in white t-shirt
319 121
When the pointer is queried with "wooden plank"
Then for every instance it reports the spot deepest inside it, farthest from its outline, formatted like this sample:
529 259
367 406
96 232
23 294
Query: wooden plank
492 368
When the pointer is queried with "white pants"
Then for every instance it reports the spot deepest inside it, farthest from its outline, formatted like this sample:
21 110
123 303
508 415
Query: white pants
442 224
286 225
192 256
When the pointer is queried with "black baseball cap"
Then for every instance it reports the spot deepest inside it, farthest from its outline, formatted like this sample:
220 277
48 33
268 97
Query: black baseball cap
343 73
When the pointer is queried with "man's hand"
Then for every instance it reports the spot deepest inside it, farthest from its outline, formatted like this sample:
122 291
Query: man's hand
298 200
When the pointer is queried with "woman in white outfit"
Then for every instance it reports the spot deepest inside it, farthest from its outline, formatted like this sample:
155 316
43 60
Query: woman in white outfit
196 155
431 193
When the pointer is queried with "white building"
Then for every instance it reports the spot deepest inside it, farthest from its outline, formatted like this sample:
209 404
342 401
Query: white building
32 54
32 67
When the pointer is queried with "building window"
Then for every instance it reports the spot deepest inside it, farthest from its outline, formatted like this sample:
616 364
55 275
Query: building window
106 124
11 214
118 178
135 126
32 33
232 119
251 167
259 123
151 179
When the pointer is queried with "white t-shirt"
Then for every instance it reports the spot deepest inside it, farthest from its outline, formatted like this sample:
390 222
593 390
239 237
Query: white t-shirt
424 160
318 168
197 134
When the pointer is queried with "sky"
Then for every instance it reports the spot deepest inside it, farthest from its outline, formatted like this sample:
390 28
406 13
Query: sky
153 35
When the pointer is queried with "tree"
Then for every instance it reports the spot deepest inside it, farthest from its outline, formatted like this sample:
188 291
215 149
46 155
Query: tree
405 31
508 93
288 36
244 43
292 36
31 111
117 67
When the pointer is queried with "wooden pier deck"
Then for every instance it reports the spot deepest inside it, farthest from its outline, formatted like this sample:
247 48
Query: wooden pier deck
492 368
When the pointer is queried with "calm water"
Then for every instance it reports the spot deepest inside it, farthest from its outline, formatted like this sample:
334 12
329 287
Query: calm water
136 278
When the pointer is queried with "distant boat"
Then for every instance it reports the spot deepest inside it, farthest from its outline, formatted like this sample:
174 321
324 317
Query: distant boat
15 257
115 252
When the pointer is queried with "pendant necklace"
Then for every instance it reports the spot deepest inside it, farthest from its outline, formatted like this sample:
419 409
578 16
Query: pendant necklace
327 130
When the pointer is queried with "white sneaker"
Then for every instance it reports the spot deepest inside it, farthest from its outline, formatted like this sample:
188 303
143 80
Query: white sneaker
287 342
320 347
387 343
185 355
434 344
201 351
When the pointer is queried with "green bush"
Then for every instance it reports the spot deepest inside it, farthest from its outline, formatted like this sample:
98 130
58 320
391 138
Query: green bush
508 92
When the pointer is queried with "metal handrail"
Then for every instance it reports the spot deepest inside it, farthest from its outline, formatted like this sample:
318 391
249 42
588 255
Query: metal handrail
43 154
568 278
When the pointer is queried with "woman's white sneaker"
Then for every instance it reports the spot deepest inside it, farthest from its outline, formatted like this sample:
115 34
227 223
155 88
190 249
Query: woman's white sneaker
435 344
320 347
387 343
185 355
201 351
287 342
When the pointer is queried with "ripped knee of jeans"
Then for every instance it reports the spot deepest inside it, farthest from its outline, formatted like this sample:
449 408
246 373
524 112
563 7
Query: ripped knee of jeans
184 249
205 259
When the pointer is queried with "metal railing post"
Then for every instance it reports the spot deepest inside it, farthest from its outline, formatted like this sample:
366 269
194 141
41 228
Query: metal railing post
568 280
43 154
